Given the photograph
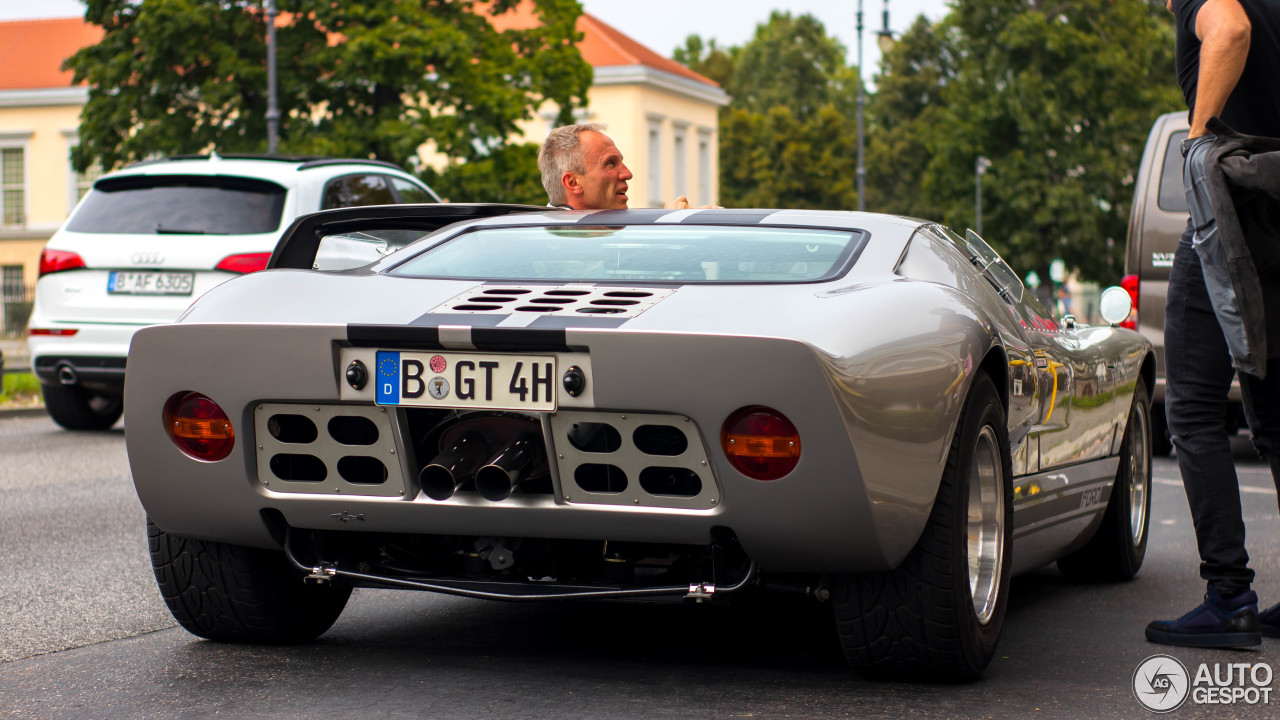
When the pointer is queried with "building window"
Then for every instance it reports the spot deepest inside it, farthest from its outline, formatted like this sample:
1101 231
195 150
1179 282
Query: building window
655 163
13 186
681 162
704 168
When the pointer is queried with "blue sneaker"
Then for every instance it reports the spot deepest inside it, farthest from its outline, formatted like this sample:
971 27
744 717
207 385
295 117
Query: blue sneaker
1217 623
1271 621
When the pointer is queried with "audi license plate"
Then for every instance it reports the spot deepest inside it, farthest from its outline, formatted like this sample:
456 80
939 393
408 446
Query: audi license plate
467 380
150 283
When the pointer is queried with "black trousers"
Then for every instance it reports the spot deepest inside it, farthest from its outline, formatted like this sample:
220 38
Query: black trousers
1198 375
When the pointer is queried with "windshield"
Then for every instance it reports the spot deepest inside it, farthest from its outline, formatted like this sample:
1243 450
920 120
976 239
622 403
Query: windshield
640 253
180 205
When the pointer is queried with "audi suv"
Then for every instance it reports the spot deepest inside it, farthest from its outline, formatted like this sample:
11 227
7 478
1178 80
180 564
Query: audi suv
147 240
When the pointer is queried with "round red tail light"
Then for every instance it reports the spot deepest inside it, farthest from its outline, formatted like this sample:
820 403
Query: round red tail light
760 442
198 426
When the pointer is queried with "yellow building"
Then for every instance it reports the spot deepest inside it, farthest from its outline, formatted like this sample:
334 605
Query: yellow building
662 116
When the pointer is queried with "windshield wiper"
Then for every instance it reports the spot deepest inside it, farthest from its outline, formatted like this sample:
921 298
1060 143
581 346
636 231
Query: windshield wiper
161 230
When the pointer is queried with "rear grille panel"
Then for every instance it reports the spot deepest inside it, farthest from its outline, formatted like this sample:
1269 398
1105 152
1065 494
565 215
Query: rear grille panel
327 450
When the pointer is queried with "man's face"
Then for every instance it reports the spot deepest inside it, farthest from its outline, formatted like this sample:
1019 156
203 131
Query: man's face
604 184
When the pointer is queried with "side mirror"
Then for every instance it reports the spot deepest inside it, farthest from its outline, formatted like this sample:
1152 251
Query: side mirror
1115 305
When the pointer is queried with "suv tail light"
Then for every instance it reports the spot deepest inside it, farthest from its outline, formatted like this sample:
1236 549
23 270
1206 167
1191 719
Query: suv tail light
52 261
1130 284
246 263
760 442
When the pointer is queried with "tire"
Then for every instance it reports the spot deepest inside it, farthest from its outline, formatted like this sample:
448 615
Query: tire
1119 546
922 620
240 594
75 408
1161 443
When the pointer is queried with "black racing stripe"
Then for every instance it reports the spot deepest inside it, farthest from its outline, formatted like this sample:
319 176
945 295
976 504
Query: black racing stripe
394 336
576 321
519 339
471 319
727 217
623 217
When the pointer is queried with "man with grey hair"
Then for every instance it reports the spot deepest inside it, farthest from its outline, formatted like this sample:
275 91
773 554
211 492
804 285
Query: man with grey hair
583 170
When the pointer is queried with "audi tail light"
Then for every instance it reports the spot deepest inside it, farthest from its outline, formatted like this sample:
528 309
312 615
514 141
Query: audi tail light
245 263
1130 284
198 426
53 332
760 442
52 261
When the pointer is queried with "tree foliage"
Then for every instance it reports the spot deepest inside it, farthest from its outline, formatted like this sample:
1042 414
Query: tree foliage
787 139
1059 96
375 78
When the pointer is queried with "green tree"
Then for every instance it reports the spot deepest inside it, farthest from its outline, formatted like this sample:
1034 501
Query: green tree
1060 97
508 175
788 136
377 78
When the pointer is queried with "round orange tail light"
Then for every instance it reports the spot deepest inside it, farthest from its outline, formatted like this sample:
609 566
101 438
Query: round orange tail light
760 442
198 426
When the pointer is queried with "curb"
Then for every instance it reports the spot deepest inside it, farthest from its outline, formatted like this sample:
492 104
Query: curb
22 412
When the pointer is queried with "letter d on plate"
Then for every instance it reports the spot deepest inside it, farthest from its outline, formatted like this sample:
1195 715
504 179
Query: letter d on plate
388 378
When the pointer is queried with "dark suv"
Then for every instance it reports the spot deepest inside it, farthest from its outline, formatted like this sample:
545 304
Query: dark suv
1156 222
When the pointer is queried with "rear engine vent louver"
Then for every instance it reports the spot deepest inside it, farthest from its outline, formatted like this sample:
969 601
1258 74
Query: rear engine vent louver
619 302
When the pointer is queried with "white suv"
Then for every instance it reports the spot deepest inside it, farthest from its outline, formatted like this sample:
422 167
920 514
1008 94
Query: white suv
147 240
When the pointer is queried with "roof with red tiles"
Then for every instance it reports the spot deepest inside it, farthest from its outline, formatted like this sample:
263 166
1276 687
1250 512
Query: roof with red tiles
32 51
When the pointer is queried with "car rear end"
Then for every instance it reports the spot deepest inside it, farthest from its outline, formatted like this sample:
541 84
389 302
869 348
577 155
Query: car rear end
137 250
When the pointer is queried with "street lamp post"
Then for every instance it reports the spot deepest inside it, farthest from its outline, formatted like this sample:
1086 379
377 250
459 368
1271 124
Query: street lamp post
979 169
273 112
884 39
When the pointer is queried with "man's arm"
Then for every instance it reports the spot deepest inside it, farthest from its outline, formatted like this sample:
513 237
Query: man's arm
1224 31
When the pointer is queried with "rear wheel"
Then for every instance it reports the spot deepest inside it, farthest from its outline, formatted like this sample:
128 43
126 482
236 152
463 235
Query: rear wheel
240 594
940 612
1118 547
75 408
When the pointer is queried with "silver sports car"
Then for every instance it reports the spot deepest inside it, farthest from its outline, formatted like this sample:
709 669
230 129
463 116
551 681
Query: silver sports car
513 403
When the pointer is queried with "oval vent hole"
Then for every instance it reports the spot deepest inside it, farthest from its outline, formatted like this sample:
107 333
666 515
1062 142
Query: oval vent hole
570 293
292 429
674 482
359 470
628 294
511 291
475 307
600 478
595 437
491 299
660 440
552 301
600 310
615 302
298 468
539 308
353 430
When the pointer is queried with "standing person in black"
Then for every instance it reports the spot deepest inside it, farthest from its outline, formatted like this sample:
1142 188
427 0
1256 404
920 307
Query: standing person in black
1228 59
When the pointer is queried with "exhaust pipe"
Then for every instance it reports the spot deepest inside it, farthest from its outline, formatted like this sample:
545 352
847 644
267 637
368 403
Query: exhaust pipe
505 471
67 375
452 467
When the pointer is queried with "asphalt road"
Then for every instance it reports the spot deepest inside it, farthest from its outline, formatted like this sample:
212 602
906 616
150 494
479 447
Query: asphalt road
84 634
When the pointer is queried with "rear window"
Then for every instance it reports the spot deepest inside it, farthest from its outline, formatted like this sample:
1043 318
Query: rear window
640 253
180 204
1173 197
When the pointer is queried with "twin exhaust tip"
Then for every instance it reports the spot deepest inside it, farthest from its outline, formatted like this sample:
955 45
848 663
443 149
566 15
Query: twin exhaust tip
497 475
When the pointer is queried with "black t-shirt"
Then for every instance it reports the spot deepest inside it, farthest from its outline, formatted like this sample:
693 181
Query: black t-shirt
1254 106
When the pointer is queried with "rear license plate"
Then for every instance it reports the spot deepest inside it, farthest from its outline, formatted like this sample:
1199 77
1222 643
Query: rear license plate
467 380
150 283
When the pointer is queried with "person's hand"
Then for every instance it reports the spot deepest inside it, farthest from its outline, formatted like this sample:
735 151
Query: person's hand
682 203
